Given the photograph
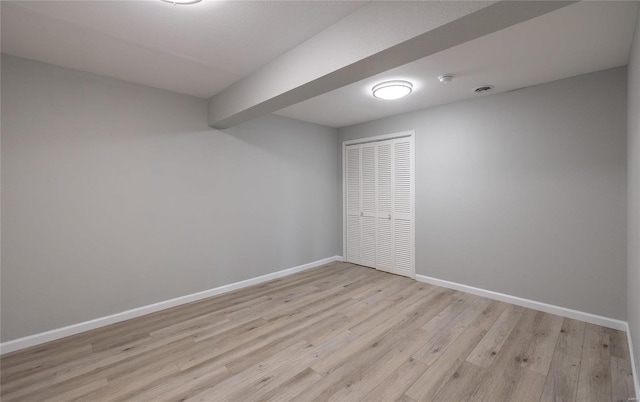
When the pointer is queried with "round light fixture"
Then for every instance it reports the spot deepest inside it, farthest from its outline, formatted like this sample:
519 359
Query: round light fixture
181 2
445 79
390 90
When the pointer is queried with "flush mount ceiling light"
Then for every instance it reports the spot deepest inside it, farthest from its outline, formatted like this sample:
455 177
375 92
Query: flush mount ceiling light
390 90
182 2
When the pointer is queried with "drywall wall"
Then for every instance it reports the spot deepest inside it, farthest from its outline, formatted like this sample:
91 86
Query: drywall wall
633 252
524 192
116 195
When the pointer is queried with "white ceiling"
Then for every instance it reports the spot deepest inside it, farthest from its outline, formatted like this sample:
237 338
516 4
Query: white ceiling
198 49
581 38
202 49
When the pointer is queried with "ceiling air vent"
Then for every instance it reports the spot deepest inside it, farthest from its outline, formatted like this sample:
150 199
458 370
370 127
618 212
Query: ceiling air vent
483 89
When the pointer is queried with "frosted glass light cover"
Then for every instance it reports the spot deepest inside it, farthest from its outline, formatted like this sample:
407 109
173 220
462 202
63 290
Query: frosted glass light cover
390 90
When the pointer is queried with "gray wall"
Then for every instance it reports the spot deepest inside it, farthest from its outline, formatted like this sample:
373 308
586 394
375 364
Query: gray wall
633 270
117 195
524 192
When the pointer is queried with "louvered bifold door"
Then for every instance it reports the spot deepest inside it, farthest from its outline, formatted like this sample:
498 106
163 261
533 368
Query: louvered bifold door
379 205
384 186
353 204
403 205
368 230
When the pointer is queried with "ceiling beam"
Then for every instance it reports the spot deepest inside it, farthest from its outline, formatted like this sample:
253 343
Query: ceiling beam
377 37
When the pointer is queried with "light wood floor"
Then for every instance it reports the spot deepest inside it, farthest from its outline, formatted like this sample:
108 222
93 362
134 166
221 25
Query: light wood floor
340 332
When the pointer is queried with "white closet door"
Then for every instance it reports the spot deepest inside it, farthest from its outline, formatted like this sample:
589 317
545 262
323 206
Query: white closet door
368 179
379 205
353 203
386 243
403 207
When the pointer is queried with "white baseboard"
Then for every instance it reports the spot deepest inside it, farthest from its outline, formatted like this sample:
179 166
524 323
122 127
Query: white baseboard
532 304
634 368
36 339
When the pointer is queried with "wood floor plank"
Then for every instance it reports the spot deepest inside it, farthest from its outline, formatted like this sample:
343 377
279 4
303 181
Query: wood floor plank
324 330
394 317
64 391
123 387
290 389
337 293
236 383
622 388
277 377
618 346
463 379
382 291
440 341
594 383
340 332
529 387
266 335
501 378
10 372
367 349
561 384
397 383
395 309
487 349
71 393
406 398
543 344
362 381
102 363
437 375
181 386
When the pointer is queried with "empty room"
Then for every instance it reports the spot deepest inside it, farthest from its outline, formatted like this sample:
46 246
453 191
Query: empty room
221 200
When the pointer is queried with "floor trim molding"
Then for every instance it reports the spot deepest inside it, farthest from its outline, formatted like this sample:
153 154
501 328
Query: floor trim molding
532 304
37 339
